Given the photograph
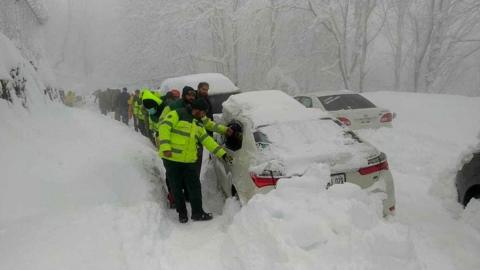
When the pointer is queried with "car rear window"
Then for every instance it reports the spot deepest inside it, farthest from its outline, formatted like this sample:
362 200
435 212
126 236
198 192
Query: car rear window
345 102
217 99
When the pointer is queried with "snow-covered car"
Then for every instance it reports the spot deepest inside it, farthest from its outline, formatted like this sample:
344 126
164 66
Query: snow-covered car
352 109
278 138
468 180
221 87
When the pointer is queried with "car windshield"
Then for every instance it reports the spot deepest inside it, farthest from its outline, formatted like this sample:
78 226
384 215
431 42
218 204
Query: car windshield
217 99
345 102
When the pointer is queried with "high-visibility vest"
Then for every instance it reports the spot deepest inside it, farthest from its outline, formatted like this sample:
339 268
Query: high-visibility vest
181 134
208 123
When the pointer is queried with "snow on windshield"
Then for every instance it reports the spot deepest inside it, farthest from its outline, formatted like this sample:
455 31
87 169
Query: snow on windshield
299 144
218 83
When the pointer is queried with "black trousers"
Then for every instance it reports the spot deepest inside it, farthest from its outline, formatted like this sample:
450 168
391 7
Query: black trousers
182 175
124 115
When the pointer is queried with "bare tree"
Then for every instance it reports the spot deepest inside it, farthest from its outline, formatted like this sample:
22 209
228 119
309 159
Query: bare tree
354 25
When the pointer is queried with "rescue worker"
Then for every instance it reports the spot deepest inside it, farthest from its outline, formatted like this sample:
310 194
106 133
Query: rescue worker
134 107
188 96
152 104
180 134
70 99
142 113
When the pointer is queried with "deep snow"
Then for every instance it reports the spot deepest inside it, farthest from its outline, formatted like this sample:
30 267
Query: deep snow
80 191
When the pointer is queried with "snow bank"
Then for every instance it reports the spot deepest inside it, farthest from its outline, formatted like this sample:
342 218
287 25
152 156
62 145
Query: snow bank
58 161
76 193
300 225
10 57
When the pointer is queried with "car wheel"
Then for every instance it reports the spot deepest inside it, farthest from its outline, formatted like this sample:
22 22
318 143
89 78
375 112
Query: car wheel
472 193
235 193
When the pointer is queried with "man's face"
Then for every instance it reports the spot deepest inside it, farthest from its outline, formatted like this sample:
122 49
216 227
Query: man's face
198 114
190 97
203 91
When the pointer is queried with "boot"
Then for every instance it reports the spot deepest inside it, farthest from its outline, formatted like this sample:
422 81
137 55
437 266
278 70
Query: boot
182 217
202 216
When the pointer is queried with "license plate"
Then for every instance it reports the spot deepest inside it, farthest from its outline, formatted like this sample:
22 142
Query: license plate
337 178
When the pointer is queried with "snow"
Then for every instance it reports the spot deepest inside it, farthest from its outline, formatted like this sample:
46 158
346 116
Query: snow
39 9
218 83
9 55
80 191
267 107
335 148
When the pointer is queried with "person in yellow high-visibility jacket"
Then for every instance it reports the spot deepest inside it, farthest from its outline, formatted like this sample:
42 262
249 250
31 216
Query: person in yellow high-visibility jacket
180 134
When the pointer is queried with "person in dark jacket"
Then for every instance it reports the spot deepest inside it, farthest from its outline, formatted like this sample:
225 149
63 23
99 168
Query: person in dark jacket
202 93
122 105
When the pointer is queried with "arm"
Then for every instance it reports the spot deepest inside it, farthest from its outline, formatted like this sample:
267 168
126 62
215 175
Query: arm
209 143
210 125
164 132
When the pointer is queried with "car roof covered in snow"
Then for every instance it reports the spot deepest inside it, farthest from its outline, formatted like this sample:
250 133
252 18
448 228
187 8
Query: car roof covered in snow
327 93
219 83
268 107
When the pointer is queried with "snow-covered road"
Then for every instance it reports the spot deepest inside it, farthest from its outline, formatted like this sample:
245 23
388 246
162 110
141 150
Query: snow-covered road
79 191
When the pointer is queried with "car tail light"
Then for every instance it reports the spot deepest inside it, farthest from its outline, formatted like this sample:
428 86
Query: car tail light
388 117
375 168
264 179
345 121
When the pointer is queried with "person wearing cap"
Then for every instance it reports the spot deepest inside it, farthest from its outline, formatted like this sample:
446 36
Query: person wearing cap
180 134
188 96
171 96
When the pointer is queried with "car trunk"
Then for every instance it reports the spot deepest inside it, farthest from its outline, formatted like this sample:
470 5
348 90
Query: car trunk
291 148
361 118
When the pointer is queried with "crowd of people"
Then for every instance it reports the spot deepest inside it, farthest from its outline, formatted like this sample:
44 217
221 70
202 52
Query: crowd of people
180 125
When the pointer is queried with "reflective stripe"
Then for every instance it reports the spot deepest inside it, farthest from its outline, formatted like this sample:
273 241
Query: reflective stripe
164 141
180 132
216 150
201 139
167 123
177 151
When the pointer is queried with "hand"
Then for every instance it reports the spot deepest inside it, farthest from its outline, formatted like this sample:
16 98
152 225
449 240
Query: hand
227 158
229 132
167 153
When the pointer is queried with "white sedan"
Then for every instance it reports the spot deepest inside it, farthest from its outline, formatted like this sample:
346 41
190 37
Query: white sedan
277 138
352 109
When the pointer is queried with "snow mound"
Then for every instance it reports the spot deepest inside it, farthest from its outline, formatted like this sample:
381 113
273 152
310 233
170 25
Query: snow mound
300 225
10 58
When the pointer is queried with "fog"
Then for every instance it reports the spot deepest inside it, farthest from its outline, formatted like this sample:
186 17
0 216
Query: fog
294 45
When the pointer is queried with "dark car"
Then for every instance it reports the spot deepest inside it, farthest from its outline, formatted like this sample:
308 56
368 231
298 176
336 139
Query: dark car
468 180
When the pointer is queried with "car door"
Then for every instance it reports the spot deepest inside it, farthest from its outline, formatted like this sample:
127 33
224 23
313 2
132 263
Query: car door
220 166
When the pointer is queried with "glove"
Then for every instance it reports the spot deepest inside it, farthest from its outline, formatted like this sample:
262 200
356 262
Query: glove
227 158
